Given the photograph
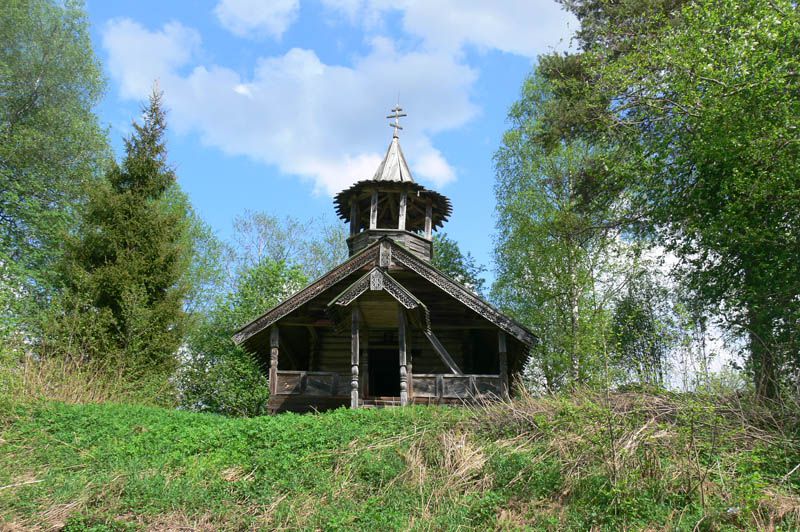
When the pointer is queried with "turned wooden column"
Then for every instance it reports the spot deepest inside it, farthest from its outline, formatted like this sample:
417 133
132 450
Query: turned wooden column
373 210
401 319
364 372
354 352
273 359
503 352
401 219
428 219
409 362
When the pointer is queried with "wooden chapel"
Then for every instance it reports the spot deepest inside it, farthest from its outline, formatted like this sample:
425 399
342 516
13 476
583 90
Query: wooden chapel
385 327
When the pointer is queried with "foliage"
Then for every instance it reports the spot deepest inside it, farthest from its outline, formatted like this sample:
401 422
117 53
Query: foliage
209 273
626 462
559 252
702 97
51 146
268 260
645 328
449 259
36 378
216 375
126 269
315 246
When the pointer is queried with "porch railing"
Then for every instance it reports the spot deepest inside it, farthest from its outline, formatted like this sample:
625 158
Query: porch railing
425 385
315 383
447 386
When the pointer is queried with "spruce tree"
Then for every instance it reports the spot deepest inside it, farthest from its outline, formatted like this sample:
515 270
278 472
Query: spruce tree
127 268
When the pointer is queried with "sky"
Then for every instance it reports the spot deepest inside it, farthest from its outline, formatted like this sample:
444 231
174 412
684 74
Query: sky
276 105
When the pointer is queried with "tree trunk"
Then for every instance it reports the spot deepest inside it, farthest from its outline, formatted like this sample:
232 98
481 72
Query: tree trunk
762 356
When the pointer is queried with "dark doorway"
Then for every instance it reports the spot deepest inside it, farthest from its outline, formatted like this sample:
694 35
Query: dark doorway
384 372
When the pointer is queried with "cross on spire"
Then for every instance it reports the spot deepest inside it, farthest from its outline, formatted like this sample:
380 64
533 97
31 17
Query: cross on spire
397 114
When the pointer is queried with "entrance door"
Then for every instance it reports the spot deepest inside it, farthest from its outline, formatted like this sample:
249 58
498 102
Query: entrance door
384 373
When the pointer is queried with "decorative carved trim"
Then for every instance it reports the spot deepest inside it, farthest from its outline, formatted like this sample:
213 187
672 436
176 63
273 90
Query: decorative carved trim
463 295
378 279
385 258
375 280
352 292
384 252
305 295
400 293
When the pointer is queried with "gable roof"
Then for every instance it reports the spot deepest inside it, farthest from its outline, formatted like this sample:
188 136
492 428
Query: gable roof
378 279
381 253
367 256
463 295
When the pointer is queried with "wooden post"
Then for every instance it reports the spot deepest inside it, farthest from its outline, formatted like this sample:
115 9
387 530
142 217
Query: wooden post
353 216
274 338
373 210
401 219
401 319
410 360
503 352
428 219
354 352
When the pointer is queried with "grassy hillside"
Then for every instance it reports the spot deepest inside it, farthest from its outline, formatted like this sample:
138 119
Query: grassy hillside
638 462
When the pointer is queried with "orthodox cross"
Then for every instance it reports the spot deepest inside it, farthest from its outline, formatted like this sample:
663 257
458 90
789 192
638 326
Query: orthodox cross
397 114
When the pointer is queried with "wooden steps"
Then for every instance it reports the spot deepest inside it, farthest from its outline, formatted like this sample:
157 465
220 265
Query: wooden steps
379 402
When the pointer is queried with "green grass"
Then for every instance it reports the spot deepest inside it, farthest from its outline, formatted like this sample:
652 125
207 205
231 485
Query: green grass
640 462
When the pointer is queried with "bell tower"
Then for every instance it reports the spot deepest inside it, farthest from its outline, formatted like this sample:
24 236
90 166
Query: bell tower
391 204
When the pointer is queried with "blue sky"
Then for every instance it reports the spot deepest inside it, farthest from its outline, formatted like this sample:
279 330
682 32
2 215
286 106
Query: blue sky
275 105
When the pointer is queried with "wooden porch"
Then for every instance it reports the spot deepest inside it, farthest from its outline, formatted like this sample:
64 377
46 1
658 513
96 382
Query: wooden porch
302 391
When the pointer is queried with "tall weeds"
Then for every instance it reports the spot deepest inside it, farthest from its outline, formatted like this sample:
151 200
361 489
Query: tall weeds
32 378
722 460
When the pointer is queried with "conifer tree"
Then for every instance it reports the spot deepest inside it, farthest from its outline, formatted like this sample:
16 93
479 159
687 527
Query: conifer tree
128 265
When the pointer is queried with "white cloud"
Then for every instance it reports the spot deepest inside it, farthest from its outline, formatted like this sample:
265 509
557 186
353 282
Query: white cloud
321 122
324 122
522 27
257 18
138 62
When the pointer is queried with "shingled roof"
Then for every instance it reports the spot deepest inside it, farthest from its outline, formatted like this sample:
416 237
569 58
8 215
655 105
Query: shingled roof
394 166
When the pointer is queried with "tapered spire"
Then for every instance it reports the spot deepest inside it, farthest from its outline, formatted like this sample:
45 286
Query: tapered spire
391 204
394 166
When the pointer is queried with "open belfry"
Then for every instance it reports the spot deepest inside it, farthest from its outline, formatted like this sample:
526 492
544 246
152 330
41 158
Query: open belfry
385 327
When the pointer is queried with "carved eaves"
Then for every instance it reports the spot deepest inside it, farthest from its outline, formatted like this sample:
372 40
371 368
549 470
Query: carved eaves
353 264
377 279
382 253
462 294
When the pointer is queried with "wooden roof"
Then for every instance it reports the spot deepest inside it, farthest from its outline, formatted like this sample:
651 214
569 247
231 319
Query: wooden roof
392 177
382 254
394 166
418 196
378 279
